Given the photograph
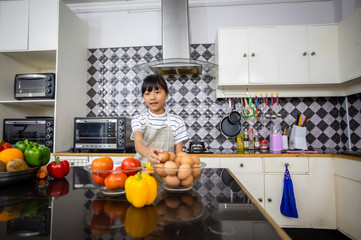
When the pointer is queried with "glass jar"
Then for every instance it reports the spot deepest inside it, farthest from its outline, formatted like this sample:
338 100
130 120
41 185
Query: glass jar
263 146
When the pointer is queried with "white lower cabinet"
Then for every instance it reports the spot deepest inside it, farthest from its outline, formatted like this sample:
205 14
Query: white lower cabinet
348 198
273 198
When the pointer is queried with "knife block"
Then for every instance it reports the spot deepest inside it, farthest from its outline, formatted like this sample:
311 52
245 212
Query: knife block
297 138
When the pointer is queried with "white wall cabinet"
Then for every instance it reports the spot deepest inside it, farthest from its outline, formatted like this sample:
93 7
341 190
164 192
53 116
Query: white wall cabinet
28 25
278 55
244 56
67 59
308 54
350 46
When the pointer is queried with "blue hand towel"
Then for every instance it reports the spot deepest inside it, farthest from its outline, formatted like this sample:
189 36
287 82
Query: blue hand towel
288 204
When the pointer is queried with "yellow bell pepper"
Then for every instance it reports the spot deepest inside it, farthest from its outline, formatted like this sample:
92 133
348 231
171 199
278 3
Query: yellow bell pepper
149 167
140 190
140 222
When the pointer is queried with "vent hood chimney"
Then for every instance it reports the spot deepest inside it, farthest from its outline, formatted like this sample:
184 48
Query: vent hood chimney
176 45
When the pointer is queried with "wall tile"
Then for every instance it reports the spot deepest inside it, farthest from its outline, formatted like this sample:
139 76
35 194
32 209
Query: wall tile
114 89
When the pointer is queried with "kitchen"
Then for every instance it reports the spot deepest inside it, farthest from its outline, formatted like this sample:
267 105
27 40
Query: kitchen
205 111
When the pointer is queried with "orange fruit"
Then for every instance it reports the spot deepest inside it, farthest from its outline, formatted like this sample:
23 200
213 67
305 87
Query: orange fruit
10 153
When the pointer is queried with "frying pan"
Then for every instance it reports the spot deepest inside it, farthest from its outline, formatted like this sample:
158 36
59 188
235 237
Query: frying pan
234 116
230 129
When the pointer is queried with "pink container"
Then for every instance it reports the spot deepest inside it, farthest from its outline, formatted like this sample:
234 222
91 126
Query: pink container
275 142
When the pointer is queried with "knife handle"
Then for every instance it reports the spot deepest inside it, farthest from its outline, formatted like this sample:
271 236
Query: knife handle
305 121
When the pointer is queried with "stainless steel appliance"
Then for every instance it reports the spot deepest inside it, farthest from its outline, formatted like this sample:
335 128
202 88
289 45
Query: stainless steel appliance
36 129
34 85
104 133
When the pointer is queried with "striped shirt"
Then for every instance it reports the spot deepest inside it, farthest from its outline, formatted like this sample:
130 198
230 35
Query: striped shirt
157 121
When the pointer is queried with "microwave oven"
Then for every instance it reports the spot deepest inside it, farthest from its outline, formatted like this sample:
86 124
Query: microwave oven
34 85
35 129
102 133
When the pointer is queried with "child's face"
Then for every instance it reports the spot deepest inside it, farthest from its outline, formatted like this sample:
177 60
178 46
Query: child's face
155 100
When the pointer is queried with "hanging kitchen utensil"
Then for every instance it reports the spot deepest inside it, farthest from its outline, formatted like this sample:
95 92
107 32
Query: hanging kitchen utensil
256 110
266 114
278 103
234 116
273 114
228 128
248 111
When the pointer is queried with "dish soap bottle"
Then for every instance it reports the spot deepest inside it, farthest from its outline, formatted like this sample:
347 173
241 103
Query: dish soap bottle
246 140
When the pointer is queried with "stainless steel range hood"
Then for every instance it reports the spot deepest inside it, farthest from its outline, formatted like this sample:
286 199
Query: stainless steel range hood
176 45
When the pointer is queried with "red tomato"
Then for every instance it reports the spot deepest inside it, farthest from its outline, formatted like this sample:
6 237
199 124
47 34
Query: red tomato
98 179
115 181
103 163
131 163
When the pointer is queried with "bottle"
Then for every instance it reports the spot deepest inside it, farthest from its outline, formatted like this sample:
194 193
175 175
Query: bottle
240 140
251 138
256 142
246 140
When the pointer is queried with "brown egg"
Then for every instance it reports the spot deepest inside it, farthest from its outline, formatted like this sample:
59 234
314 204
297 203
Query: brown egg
196 159
184 171
188 181
181 154
177 160
187 199
159 169
185 212
187 159
170 168
172 181
172 201
172 156
196 171
164 156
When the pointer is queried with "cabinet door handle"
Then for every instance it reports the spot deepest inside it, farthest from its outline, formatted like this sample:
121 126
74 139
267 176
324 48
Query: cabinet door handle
245 55
241 165
253 55
260 199
269 199
313 53
305 54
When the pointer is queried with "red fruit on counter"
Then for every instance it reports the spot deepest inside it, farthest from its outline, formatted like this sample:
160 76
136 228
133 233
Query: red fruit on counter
4 145
58 169
129 163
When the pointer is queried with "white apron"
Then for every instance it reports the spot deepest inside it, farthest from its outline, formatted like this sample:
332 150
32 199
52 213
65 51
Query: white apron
161 138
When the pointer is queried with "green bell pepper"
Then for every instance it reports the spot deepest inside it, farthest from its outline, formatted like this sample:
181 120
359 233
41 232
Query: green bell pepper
37 156
45 154
23 145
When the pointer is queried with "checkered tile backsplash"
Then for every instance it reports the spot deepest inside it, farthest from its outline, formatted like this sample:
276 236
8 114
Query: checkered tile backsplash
114 89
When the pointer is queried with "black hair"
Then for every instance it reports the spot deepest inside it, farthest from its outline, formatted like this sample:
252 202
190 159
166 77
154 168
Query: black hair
154 81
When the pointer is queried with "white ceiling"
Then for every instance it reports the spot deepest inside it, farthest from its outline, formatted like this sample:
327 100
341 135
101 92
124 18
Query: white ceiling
234 2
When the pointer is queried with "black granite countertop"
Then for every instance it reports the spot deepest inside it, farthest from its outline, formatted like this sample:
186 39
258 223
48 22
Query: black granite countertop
216 211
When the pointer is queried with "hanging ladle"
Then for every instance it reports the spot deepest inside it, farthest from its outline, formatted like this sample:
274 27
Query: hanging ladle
278 103
267 115
273 115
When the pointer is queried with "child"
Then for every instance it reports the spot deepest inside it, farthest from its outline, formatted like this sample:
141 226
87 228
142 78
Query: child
156 130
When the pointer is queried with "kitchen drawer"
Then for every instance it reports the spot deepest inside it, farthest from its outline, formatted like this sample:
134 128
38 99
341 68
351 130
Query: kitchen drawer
348 168
242 165
212 162
295 164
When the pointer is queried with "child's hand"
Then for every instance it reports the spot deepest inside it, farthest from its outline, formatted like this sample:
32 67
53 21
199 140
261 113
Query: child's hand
152 155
